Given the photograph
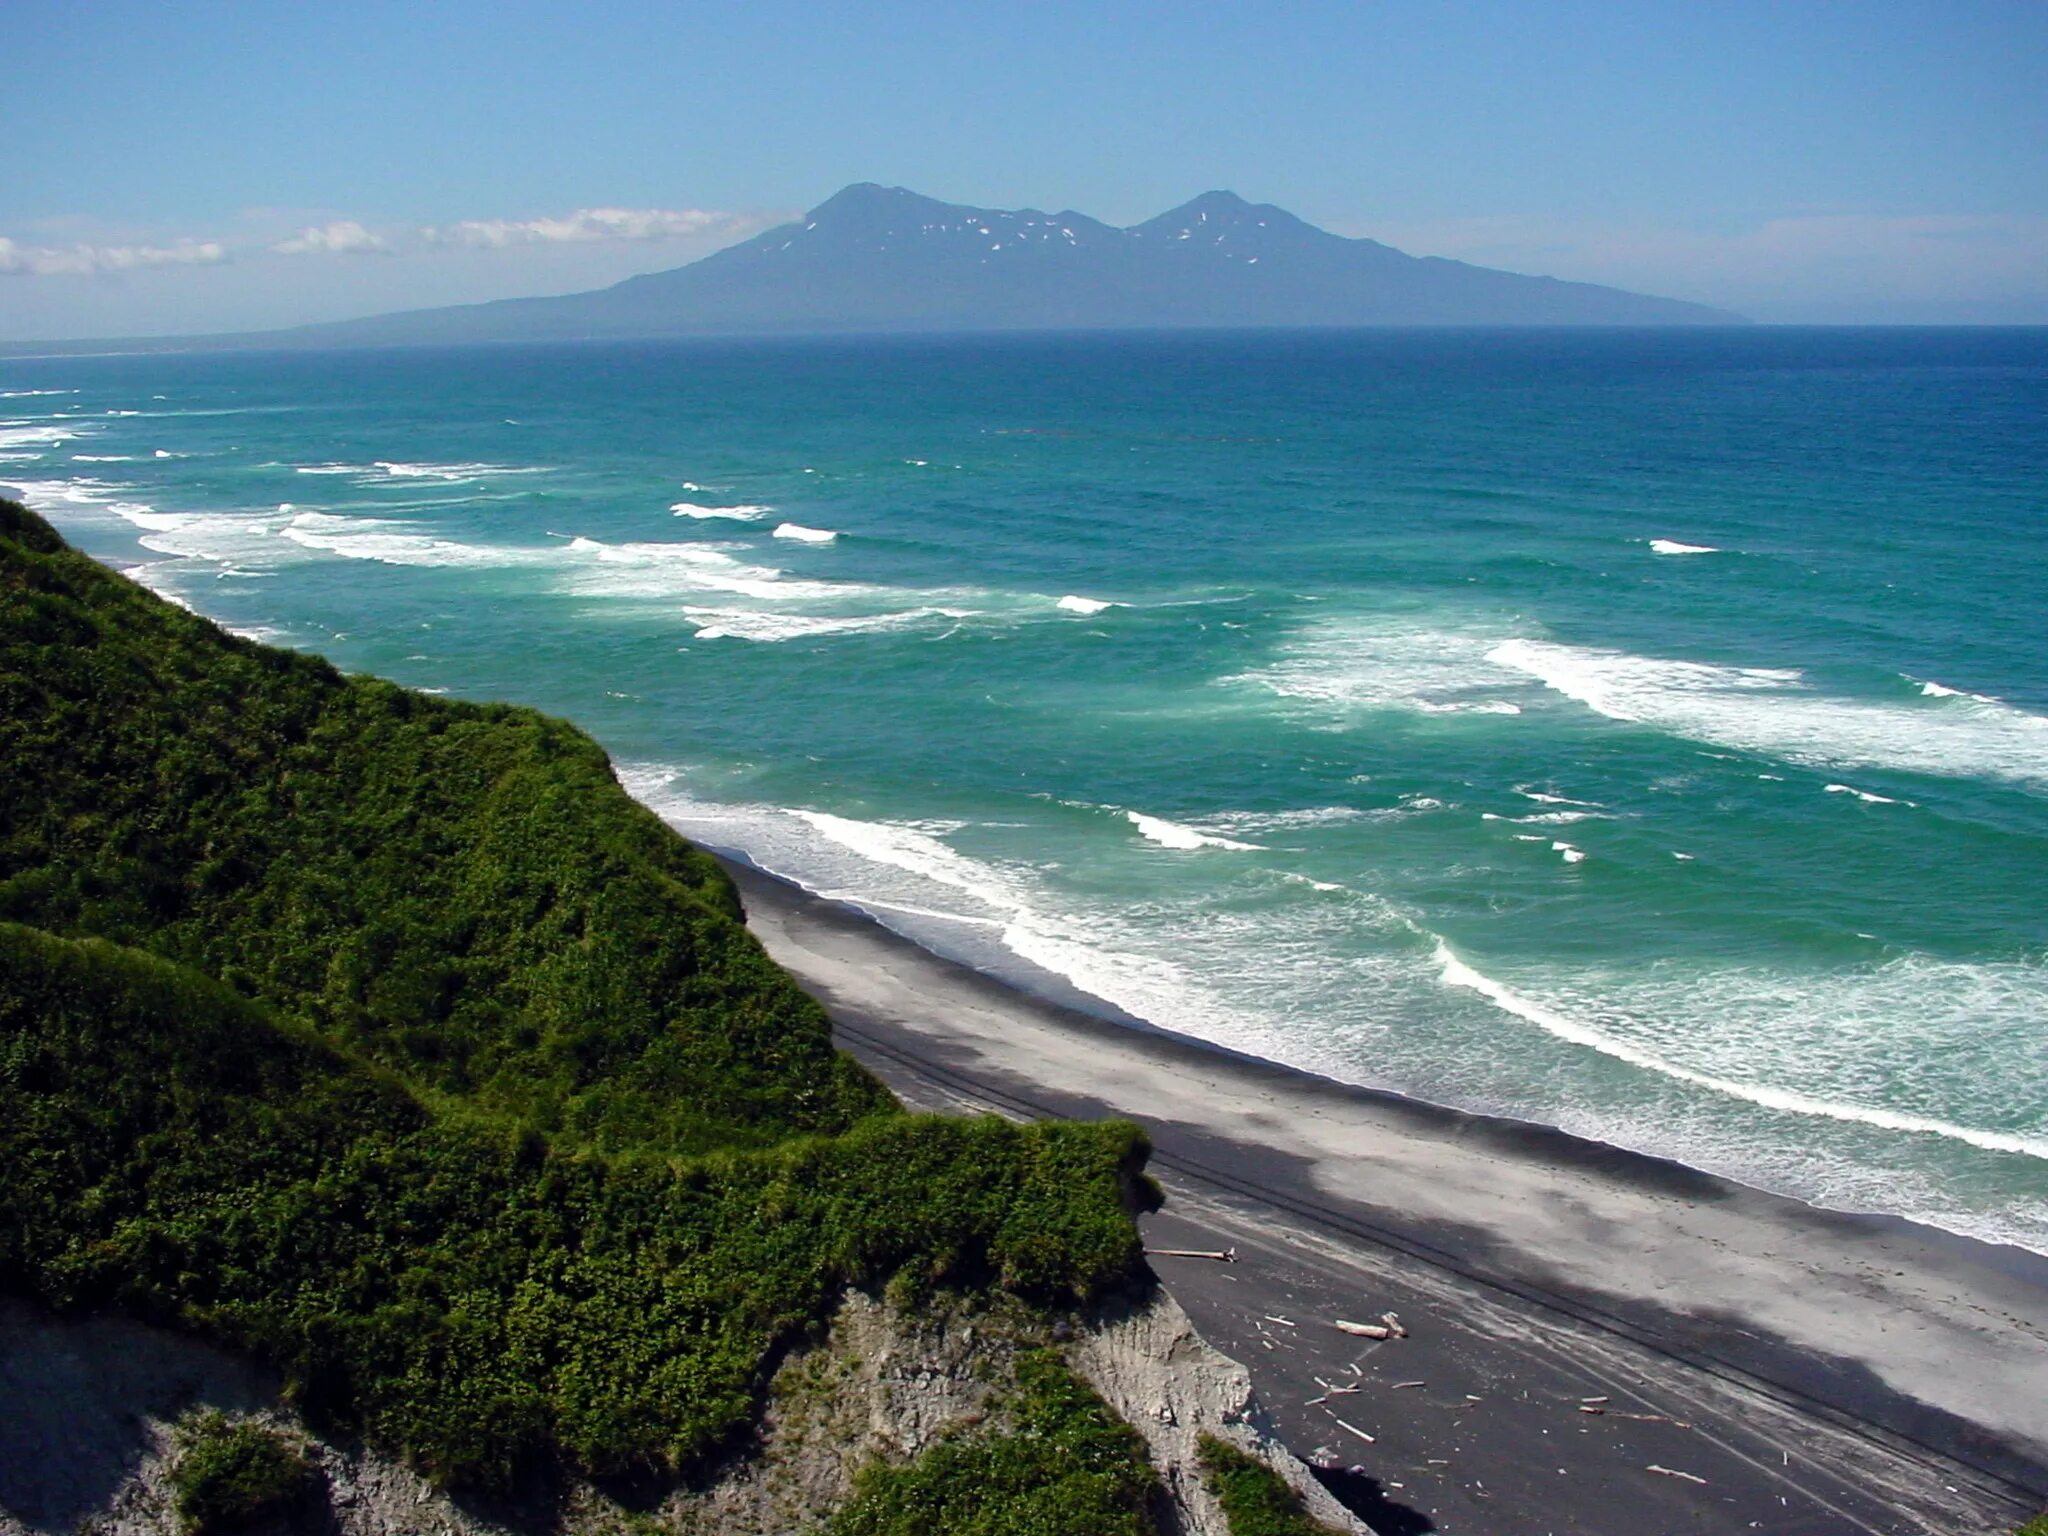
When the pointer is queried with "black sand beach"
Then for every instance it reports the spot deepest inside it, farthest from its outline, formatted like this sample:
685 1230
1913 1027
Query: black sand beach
1597 1342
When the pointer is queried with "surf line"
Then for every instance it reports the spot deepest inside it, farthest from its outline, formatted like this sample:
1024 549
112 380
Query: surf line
1456 973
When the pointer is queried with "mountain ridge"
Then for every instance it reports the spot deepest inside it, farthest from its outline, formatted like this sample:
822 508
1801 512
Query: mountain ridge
875 258
872 258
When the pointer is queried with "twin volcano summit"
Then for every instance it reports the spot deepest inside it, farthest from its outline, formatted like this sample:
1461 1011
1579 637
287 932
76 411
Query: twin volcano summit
875 258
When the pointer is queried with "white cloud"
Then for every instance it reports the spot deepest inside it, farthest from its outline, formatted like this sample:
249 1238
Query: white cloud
341 237
587 224
75 260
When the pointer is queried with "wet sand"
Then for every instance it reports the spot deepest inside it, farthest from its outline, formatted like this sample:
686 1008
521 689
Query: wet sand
1758 1364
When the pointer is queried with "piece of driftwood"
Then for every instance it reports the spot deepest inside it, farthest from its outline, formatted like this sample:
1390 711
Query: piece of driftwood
1221 1256
1368 1439
1400 1384
1366 1330
1669 1472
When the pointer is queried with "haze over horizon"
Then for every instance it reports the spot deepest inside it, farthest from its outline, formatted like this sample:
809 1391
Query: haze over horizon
192 169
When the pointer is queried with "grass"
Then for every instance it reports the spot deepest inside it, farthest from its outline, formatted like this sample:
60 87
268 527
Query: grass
1255 1499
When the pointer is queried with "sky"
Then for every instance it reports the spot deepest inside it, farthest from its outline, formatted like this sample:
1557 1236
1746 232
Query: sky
170 167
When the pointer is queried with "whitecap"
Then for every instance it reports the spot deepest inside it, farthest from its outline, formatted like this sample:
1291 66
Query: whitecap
1085 605
1542 797
805 535
748 624
1673 547
1171 834
1571 855
1865 795
1940 691
743 514
1775 710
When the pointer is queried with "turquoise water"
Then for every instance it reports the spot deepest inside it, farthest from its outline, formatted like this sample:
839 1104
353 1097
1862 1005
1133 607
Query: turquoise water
1641 733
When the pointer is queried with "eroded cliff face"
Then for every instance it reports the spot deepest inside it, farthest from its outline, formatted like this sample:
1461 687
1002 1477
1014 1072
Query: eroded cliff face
89 1438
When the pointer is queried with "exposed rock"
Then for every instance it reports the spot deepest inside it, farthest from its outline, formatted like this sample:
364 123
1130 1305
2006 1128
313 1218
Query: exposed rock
1173 1386
89 1436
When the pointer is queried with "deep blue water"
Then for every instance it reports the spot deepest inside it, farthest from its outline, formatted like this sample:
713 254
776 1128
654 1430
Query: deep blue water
1645 733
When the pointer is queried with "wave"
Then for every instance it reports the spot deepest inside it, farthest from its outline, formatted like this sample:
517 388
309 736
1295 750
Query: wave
1939 691
103 458
377 539
1388 663
1084 605
1776 711
744 514
388 471
993 916
27 394
1306 816
1544 797
21 435
1171 834
1453 972
654 572
748 624
1673 547
805 535
1865 795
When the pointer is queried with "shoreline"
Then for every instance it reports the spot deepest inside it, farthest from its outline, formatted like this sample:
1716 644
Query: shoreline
1876 1344
1516 1135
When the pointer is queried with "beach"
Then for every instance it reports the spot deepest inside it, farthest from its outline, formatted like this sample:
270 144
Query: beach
1755 1363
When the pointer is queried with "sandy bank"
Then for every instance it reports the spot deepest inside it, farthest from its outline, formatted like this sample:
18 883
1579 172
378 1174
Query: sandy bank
1832 1372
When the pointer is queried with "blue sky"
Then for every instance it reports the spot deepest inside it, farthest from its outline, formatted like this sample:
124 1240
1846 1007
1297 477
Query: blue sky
173 167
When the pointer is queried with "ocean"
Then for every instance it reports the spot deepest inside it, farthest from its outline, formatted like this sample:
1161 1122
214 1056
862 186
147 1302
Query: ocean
1643 733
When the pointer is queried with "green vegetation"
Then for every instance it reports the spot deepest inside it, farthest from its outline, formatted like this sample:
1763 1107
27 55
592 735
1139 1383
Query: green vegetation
230 1474
2038 1526
387 1039
1063 1464
460 892
1255 1499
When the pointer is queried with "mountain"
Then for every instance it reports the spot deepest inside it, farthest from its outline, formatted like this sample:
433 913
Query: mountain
875 258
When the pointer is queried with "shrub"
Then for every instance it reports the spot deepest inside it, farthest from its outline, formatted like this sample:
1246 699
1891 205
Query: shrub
228 1474
1065 1466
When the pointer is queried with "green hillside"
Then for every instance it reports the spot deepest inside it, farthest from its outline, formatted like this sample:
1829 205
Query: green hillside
386 1038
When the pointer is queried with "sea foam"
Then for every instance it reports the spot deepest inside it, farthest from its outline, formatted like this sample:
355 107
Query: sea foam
1455 973
1776 711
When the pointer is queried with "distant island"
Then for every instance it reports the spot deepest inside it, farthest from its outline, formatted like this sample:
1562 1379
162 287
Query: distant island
873 258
